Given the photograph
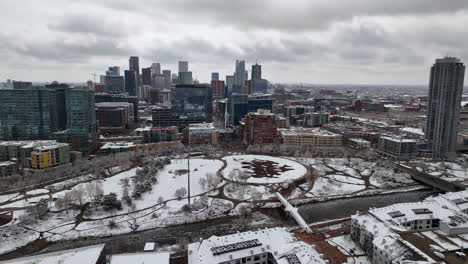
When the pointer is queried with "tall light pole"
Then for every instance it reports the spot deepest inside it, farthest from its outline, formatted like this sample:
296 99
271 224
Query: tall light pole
188 179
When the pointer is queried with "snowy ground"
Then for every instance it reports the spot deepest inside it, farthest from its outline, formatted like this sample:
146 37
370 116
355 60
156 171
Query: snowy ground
448 170
262 176
265 169
336 177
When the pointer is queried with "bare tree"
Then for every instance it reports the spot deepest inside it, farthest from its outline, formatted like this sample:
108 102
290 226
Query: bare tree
180 193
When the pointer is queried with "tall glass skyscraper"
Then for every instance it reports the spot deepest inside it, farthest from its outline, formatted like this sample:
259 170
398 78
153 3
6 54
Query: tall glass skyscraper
189 104
81 120
27 113
443 109
131 82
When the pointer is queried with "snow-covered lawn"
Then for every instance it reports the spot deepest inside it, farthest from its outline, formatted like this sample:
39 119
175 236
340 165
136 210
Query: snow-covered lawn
264 169
329 187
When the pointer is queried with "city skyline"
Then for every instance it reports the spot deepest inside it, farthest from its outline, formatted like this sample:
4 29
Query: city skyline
330 42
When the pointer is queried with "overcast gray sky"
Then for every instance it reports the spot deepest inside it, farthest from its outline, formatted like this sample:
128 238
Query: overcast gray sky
329 41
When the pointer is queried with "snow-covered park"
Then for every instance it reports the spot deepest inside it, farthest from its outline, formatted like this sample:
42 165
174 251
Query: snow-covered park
154 193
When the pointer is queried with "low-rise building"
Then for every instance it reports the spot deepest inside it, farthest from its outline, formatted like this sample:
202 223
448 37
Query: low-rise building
160 134
84 255
358 143
404 232
114 147
316 119
50 155
274 245
310 137
35 154
398 148
201 134
7 168
282 121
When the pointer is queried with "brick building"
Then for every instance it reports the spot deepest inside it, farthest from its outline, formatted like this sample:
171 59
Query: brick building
260 128
218 88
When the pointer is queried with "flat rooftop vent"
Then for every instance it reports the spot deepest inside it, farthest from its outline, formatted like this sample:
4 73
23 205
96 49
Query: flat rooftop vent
235 247
422 211
396 214
292 258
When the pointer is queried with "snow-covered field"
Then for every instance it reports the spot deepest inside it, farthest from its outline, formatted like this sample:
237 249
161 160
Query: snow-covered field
211 196
336 177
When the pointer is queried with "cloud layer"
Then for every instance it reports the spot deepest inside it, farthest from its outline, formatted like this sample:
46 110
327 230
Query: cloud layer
326 41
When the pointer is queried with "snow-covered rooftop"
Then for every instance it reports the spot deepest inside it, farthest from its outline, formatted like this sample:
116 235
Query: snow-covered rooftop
277 241
413 130
453 200
116 145
398 139
307 132
73 256
141 258
49 147
400 250
6 163
358 140
201 127
149 246
397 214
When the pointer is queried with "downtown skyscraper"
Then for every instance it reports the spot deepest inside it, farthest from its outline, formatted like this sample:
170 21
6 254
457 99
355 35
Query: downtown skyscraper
443 109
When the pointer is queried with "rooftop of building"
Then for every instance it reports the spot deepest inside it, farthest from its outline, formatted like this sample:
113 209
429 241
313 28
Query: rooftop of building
49 147
141 129
446 207
73 256
201 126
413 130
7 163
277 241
448 59
141 258
399 139
118 145
358 140
262 112
300 131
400 250
113 104
33 144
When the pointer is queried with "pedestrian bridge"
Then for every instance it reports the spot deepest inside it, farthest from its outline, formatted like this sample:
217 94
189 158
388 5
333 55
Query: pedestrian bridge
288 207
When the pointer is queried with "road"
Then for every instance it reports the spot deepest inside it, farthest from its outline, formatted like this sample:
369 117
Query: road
183 234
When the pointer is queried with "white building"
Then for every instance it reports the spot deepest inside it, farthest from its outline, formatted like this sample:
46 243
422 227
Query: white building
310 137
84 255
381 232
358 143
141 258
274 245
